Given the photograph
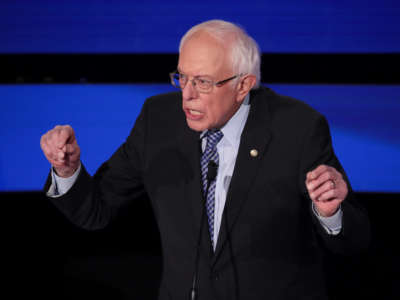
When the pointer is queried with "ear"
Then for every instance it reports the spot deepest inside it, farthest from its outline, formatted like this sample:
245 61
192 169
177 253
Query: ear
245 85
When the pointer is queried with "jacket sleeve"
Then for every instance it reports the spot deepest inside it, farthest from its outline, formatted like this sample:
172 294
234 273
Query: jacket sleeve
354 236
93 201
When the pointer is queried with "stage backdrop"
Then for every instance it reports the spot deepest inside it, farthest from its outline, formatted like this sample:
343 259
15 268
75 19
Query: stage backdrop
154 26
364 122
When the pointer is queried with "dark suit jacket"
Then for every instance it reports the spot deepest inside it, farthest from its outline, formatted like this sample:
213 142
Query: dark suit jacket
270 244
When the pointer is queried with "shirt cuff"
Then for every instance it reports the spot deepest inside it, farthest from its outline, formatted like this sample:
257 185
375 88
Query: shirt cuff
332 224
59 185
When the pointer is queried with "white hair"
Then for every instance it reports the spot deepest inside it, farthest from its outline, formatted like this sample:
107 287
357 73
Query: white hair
245 53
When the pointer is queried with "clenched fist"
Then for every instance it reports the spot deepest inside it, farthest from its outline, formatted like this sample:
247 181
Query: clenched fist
327 189
61 150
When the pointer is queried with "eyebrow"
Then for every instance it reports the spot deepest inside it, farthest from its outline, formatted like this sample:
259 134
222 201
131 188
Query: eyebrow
201 75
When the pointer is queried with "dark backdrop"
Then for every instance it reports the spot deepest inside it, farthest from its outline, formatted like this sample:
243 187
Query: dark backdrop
43 255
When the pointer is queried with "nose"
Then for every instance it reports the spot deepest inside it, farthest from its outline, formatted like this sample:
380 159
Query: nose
189 92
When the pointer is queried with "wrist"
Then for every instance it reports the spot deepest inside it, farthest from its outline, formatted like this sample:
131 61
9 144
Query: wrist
325 213
65 172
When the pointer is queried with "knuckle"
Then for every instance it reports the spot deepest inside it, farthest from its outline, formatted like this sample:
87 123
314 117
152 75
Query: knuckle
326 176
323 167
318 193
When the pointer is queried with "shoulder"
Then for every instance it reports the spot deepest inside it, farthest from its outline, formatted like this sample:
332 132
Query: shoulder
163 112
166 100
281 108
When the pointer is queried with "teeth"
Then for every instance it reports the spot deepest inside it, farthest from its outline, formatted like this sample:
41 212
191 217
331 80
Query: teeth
194 112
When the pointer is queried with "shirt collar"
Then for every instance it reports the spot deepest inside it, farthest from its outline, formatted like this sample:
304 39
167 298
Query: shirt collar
232 130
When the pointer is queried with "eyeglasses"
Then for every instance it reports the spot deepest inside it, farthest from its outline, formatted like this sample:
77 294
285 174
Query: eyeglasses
202 84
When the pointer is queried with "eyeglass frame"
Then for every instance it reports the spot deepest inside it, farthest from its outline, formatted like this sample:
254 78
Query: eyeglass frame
217 84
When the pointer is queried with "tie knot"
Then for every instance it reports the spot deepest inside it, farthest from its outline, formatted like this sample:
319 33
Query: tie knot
213 137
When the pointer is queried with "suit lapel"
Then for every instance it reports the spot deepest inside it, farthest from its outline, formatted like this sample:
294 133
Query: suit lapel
255 136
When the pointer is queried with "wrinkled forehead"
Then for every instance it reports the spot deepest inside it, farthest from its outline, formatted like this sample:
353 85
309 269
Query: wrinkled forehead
204 55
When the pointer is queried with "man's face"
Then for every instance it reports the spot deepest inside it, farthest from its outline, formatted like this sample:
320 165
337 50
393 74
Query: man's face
202 55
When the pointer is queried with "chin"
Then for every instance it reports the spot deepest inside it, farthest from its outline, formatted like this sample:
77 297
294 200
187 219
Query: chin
196 126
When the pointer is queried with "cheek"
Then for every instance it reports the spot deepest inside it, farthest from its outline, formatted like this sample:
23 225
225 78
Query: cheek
218 109
220 112
212 114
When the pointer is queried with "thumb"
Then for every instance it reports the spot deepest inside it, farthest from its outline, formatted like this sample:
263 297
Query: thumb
66 136
73 152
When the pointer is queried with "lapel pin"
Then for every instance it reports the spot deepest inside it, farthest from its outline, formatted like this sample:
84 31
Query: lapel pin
253 152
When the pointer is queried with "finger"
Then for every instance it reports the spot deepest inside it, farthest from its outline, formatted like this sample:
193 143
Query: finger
56 153
314 174
53 154
48 147
51 139
322 179
60 155
58 159
59 147
65 134
58 138
71 149
58 164
55 160
328 195
320 191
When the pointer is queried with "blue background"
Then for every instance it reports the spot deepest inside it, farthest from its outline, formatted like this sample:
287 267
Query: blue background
364 122
155 26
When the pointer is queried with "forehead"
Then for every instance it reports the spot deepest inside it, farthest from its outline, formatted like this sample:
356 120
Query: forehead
203 54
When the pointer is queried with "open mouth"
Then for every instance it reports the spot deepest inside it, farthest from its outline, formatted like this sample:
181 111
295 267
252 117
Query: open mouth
195 112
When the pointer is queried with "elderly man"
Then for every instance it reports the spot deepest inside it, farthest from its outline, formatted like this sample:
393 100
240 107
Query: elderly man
244 183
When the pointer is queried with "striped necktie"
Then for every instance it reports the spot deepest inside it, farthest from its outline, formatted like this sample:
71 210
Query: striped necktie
210 154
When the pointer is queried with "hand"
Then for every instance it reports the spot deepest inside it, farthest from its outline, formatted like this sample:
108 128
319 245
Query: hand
327 189
61 150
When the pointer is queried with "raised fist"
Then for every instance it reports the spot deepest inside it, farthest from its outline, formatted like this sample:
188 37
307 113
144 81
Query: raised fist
61 150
